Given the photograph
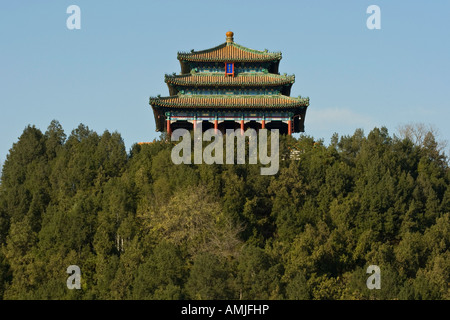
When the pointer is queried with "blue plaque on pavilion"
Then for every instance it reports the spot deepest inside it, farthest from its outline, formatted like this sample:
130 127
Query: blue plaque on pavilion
229 68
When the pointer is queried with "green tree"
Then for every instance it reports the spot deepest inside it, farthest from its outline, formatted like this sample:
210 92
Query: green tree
210 278
162 275
258 275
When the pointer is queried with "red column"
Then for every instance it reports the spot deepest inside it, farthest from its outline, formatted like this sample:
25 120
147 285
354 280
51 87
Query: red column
194 124
242 126
289 127
169 132
216 125
263 124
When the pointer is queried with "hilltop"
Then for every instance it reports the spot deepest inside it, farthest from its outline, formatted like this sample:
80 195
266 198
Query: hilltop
141 227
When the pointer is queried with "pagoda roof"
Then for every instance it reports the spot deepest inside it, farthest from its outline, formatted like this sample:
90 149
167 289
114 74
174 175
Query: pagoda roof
229 101
219 79
229 51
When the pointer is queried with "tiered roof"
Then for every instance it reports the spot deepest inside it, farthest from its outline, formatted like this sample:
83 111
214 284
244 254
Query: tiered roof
229 52
230 101
219 79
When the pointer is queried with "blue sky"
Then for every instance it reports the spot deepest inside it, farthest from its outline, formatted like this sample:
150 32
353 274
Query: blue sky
103 74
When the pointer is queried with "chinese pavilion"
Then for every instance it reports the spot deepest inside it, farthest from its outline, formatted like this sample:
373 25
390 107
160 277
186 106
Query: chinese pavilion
230 87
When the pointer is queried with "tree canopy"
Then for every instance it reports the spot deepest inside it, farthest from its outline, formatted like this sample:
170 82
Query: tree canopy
141 227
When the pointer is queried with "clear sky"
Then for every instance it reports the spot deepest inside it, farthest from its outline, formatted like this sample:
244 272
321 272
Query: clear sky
103 74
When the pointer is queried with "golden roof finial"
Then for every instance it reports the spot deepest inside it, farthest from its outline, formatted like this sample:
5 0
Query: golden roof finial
229 35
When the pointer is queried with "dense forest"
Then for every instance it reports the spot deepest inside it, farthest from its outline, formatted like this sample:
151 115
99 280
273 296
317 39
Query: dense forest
141 227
